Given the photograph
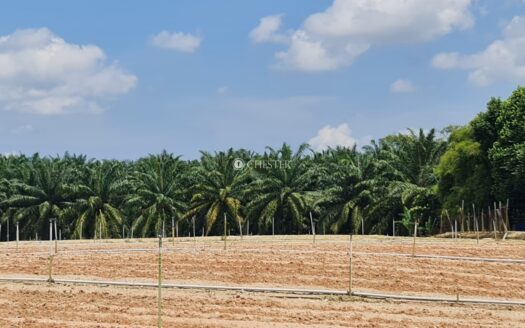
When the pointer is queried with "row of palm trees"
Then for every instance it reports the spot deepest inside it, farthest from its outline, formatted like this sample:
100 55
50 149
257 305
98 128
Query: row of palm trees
343 189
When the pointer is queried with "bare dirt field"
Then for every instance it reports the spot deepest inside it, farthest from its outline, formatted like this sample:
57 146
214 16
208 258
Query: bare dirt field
290 261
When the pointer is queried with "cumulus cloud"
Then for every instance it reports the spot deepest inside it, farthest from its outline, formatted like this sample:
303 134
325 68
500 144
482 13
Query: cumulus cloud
333 38
41 73
178 41
330 137
502 60
402 86
268 30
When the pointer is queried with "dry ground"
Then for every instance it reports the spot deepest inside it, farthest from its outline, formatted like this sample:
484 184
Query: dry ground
293 261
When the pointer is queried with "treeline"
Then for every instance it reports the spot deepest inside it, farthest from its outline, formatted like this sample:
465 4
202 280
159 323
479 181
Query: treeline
401 177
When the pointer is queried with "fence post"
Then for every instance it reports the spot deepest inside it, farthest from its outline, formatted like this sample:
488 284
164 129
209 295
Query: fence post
159 298
414 244
17 236
224 231
50 262
350 255
313 227
173 230
56 236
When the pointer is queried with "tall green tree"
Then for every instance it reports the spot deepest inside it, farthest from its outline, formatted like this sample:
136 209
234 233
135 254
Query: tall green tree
94 208
158 194
281 190
217 191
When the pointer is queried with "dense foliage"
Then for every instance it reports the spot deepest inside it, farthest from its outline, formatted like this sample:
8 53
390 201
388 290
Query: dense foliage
403 177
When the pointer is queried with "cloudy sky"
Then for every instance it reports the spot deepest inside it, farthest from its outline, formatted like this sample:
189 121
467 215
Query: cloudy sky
115 79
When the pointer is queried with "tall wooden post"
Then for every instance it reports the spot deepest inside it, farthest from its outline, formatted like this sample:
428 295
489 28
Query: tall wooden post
415 235
159 296
225 231
56 236
313 227
17 236
173 230
350 255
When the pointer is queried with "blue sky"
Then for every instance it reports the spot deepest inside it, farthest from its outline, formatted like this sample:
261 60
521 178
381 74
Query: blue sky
102 78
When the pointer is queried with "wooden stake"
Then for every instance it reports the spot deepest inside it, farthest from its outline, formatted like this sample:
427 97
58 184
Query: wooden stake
273 226
159 297
173 230
225 231
50 259
193 223
312 227
507 214
462 216
17 236
414 244
56 236
475 224
350 256
482 221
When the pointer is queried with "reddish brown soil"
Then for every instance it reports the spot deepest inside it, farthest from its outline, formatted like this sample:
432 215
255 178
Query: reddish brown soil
295 262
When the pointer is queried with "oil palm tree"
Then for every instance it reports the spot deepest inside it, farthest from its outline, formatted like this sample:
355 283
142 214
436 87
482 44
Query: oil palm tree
158 193
95 206
217 192
281 192
40 196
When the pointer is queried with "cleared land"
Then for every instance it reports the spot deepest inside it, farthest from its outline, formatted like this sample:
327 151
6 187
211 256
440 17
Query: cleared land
292 262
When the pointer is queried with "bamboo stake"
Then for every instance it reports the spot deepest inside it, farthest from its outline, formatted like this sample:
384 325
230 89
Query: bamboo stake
482 220
462 215
56 236
475 224
50 259
159 297
313 227
273 226
173 230
193 223
350 256
507 214
393 227
225 231
415 235
17 236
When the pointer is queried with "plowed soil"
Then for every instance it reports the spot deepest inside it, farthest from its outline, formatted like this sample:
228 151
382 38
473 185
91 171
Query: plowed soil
292 262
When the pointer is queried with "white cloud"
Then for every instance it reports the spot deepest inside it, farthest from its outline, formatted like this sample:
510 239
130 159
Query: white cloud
267 30
183 42
502 60
333 38
41 73
331 137
402 86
